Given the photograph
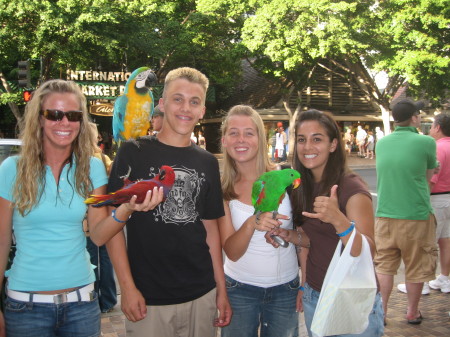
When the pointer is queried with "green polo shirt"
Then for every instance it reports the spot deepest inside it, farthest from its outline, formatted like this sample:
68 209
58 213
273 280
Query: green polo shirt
402 161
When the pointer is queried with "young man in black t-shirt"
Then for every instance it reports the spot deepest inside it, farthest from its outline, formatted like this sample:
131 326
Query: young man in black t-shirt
170 271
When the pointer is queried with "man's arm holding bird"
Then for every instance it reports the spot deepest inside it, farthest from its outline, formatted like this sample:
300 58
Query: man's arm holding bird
102 226
139 196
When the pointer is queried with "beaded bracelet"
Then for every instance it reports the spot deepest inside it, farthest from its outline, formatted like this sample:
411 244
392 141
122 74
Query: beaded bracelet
301 288
113 214
349 230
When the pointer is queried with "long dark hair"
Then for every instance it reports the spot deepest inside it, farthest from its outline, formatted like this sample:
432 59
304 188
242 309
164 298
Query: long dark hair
335 169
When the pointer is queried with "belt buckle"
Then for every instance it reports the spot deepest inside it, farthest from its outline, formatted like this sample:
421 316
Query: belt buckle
60 298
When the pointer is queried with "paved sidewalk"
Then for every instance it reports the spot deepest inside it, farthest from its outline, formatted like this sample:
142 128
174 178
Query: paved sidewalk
435 307
356 162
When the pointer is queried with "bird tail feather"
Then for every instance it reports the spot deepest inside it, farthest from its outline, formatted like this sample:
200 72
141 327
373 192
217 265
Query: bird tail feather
99 200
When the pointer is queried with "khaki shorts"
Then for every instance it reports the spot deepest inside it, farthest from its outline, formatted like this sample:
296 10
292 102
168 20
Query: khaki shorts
441 206
413 241
190 319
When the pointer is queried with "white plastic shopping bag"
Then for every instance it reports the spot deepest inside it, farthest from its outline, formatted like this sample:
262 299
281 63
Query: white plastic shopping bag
348 293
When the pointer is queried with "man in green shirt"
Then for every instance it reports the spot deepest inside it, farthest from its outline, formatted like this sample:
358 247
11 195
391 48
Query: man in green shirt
405 224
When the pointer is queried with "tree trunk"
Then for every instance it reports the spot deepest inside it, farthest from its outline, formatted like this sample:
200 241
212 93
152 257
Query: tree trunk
292 118
386 119
286 98
291 141
13 106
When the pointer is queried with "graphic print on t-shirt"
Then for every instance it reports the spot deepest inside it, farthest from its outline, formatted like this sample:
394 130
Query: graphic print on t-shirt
179 207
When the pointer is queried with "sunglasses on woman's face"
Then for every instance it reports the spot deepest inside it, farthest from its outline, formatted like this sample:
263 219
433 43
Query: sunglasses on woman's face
58 115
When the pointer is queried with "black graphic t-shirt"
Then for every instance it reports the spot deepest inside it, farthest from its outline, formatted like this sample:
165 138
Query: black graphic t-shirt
167 250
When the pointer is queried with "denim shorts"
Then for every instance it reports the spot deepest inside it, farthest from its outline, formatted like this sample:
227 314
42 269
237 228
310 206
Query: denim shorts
376 317
272 309
72 319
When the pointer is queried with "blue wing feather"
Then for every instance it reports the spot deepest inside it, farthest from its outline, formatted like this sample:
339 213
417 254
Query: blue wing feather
120 106
152 106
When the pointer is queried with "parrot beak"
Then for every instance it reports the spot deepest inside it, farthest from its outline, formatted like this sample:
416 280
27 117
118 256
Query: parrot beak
146 79
162 174
296 182
151 80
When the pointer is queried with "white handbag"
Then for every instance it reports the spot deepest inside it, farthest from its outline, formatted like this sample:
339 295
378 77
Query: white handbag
348 293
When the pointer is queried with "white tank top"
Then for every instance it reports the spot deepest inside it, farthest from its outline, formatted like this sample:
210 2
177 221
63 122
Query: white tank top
262 265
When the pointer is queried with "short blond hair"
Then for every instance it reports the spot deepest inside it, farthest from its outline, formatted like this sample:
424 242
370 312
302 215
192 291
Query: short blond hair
187 73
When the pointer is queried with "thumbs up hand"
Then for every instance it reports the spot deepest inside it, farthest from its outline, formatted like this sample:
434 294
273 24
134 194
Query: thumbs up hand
326 209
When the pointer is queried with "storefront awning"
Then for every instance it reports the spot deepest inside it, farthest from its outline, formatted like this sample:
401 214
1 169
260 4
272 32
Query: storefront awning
279 114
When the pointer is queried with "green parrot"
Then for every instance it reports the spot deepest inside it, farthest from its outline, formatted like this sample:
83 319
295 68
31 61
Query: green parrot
268 193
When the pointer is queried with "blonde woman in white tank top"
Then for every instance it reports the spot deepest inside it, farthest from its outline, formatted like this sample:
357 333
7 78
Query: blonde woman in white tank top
262 281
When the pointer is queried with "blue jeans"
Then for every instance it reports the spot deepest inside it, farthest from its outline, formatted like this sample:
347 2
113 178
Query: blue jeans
272 309
376 318
105 285
74 319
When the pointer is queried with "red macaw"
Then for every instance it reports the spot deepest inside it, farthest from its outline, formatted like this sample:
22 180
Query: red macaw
165 179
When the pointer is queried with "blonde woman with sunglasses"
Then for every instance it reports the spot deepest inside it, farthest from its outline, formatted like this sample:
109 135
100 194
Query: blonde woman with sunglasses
50 289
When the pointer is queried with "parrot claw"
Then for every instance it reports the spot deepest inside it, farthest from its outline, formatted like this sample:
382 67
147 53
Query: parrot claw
127 174
274 214
258 213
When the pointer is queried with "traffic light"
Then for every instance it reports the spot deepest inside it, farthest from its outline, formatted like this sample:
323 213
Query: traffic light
27 94
24 74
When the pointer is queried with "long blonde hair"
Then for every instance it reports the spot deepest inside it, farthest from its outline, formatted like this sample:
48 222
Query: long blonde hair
263 163
30 179
94 134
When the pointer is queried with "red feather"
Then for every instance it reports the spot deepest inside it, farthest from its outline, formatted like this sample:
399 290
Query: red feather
165 179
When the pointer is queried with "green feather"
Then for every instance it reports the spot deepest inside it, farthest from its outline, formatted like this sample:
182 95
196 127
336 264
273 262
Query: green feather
268 190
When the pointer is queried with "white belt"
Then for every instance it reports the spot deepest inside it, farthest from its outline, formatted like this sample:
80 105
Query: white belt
84 294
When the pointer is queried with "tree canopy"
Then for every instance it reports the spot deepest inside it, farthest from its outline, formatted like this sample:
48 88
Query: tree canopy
286 40
121 35
407 39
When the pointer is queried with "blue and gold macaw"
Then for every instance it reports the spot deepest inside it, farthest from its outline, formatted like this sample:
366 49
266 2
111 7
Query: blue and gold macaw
133 109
